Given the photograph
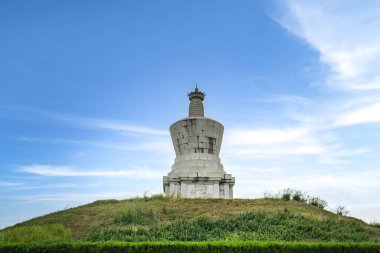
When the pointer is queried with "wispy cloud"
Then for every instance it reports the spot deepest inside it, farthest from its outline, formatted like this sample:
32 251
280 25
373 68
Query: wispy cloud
129 137
107 124
26 187
344 33
250 169
275 142
265 136
119 126
271 142
66 171
94 122
288 100
157 145
10 184
363 114
81 197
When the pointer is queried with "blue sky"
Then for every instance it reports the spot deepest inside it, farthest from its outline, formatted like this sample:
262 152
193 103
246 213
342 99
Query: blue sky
88 90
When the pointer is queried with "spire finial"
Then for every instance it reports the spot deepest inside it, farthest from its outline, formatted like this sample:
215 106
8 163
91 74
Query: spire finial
196 87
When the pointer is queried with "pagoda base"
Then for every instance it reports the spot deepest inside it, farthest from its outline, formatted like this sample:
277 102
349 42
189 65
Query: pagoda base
199 185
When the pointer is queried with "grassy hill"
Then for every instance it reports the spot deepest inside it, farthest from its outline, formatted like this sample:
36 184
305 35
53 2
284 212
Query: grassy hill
176 219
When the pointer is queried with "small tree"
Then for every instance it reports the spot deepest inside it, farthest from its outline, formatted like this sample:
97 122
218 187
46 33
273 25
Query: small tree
342 211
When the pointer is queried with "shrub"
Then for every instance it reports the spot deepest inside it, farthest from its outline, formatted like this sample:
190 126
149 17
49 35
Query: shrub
315 201
287 194
296 195
299 196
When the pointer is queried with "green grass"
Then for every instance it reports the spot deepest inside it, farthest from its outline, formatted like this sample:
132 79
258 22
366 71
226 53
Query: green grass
135 215
32 234
252 226
159 218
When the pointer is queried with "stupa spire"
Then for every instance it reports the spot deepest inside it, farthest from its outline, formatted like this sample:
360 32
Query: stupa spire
196 108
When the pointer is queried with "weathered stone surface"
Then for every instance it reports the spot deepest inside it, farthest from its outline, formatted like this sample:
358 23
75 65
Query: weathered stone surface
197 171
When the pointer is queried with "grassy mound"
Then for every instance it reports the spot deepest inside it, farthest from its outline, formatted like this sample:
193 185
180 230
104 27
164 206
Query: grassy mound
160 219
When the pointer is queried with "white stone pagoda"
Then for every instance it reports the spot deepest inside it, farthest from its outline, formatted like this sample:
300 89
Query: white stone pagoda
197 171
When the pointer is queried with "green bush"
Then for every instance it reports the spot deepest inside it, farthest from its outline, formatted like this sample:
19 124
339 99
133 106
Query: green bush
286 196
27 234
198 247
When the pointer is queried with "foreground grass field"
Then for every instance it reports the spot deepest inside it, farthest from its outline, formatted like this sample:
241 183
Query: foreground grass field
174 219
192 247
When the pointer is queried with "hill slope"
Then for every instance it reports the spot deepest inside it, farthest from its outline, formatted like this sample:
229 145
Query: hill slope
158 218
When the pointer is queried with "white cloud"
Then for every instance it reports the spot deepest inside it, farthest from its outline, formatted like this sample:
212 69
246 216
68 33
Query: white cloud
309 137
364 114
345 34
10 184
157 145
275 142
276 150
288 100
24 187
97 123
63 171
123 127
83 197
271 142
107 124
239 137
249 169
